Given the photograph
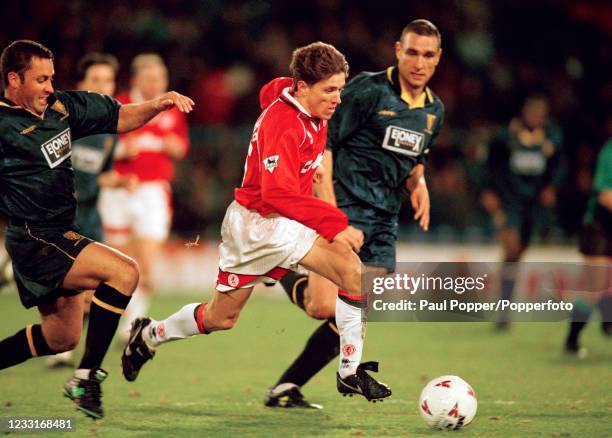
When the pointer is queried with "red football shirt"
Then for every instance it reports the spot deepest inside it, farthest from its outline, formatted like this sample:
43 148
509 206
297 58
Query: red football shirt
151 163
286 148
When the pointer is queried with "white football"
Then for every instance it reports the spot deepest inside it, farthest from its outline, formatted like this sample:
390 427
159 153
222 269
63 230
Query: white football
448 402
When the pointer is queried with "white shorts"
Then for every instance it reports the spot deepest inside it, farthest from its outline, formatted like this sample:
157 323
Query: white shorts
256 249
143 213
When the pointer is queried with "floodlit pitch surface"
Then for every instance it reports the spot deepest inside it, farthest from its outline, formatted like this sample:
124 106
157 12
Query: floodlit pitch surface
213 386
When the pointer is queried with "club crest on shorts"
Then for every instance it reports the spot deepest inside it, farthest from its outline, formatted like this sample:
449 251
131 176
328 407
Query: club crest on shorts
233 280
271 163
72 235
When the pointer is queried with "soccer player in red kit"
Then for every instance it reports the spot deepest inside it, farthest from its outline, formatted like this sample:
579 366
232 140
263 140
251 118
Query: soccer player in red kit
137 218
275 224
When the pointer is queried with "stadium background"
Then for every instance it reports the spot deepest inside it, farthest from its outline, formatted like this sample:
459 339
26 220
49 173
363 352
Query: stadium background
220 53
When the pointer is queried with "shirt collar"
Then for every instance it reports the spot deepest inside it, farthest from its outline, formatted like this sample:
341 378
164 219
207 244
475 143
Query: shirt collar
288 98
6 103
424 99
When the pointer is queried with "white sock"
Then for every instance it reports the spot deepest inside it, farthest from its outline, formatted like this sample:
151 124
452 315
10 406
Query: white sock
59 359
282 387
138 307
81 373
180 325
352 333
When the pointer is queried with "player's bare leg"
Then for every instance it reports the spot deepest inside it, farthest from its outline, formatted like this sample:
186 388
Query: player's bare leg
6 270
113 276
320 294
319 302
144 250
66 359
62 325
62 322
513 249
320 297
321 347
339 264
59 331
597 272
221 313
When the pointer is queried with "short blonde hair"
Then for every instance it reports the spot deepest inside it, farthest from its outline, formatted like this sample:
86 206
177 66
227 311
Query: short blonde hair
145 60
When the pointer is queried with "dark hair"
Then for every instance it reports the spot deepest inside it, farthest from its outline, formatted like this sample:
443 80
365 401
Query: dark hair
422 27
17 57
315 62
95 58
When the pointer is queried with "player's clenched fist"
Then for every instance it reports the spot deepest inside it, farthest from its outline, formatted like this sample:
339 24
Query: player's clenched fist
350 236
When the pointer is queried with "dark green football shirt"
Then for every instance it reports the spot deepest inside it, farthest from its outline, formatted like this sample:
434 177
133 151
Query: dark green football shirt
376 139
91 156
602 180
36 175
522 162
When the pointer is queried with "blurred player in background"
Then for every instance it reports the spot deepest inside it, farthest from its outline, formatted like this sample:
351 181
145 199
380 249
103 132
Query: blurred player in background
137 217
53 263
92 159
596 246
525 168
275 224
378 144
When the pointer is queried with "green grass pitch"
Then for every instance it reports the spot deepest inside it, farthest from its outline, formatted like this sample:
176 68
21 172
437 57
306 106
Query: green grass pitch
213 386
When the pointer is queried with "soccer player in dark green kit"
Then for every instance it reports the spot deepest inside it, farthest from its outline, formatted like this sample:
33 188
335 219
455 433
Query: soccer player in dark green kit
51 261
378 143
596 246
525 168
92 159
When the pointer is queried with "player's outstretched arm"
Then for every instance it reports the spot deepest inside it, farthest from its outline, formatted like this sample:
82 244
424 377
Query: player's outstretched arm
134 115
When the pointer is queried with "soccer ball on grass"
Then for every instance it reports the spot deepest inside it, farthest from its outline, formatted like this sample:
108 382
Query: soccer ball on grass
448 402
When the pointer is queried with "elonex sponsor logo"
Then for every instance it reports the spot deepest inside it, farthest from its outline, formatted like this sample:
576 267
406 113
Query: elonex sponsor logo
403 141
88 159
57 149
